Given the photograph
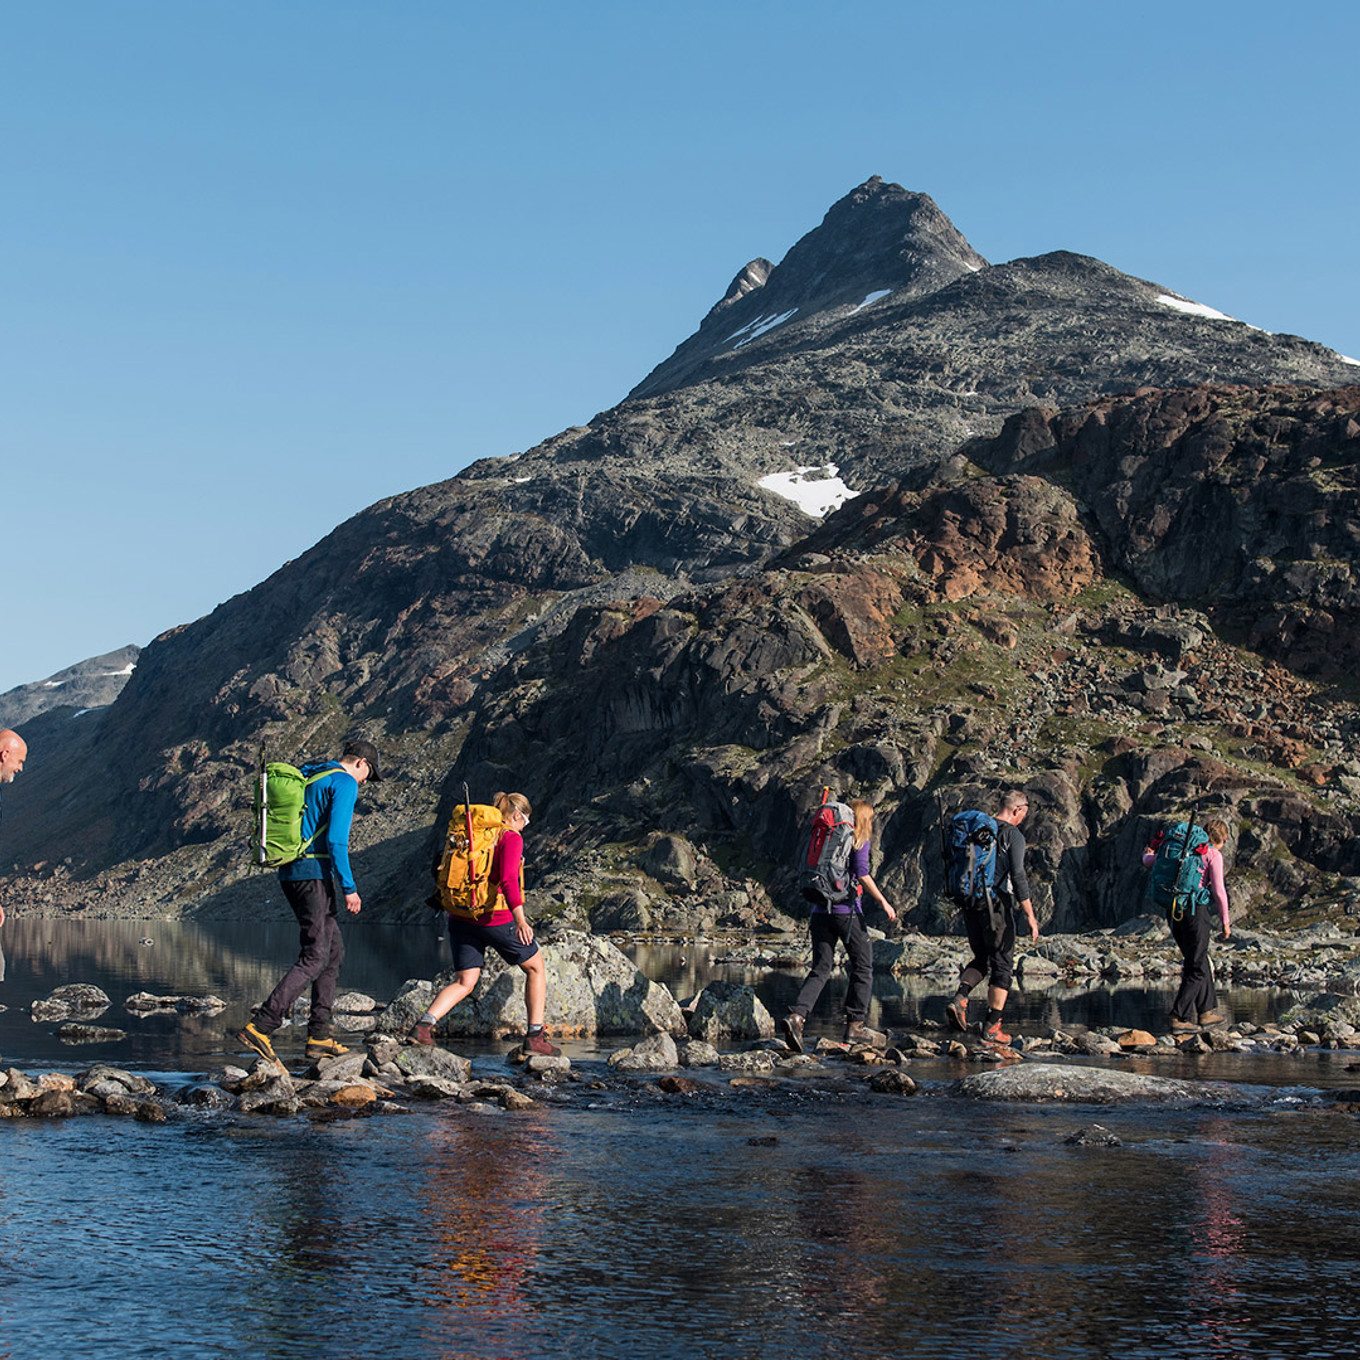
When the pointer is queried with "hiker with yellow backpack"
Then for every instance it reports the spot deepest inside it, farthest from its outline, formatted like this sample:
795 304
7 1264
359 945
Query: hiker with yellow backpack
302 827
481 886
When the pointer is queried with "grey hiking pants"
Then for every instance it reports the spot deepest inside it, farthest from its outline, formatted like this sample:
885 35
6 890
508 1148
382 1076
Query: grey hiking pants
320 956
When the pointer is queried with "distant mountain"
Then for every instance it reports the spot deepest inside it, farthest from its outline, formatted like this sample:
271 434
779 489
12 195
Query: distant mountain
631 622
88 684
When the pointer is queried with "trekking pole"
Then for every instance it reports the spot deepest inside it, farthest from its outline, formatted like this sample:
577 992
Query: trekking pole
262 846
467 822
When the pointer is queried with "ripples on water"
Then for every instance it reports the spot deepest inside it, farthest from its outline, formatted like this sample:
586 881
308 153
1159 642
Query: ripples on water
653 1227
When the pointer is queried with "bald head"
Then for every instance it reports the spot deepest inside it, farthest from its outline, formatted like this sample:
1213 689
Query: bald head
13 753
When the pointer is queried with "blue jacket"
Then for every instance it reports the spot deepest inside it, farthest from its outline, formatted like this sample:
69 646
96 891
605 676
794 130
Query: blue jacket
327 811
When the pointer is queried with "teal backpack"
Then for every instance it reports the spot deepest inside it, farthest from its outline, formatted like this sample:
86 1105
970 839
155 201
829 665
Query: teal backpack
1176 885
280 792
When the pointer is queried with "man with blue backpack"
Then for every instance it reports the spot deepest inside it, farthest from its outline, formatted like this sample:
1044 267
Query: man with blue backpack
985 876
308 880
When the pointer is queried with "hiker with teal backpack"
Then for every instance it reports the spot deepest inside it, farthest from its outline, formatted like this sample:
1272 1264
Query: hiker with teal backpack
303 824
985 876
1187 875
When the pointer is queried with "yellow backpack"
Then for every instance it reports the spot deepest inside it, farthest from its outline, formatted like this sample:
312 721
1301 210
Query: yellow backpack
464 875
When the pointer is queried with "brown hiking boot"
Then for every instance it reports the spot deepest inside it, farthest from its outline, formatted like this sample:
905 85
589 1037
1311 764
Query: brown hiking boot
538 1043
257 1040
1179 1026
857 1032
792 1025
1207 1018
422 1034
957 1014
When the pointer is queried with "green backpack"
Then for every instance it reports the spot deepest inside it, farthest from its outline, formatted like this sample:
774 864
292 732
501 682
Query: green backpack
280 791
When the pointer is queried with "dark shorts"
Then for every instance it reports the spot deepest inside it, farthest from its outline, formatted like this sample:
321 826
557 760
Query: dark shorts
470 943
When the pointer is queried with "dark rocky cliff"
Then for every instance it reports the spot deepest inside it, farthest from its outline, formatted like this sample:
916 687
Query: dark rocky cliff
670 659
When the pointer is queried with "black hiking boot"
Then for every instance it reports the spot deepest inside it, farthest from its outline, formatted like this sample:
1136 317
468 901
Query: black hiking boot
792 1025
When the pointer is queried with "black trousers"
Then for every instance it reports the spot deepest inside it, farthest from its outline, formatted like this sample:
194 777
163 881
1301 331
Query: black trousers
993 952
321 952
1196 994
828 930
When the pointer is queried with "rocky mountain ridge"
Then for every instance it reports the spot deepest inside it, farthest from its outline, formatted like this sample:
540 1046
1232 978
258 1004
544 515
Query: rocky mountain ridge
668 657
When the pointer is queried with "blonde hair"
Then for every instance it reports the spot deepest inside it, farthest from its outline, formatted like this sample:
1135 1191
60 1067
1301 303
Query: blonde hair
512 802
864 820
1216 831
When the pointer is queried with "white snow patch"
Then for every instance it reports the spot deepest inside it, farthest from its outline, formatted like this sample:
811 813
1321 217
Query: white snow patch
80 713
1192 308
520 480
53 684
817 491
869 300
758 327
1346 359
789 443
127 670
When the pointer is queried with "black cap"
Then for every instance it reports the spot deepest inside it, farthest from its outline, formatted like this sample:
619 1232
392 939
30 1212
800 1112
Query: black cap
364 750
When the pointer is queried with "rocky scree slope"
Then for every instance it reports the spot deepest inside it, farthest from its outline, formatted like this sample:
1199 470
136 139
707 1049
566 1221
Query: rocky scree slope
414 620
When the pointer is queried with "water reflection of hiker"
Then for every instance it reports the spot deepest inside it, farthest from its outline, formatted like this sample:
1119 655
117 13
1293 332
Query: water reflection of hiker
1196 1000
843 922
308 884
993 952
13 753
506 930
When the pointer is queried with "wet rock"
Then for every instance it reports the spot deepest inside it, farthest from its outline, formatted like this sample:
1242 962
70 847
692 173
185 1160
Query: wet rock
345 1067
546 1068
419 1061
1055 1081
758 1060
435 1088
697 1053
100 1076
77 999
140 1002
205 1096
681 1086
507 1097
354 1003
1093 1135
72 1032
729 1011
1096 1045
276 1097
654 1054
1136 1038
892 1081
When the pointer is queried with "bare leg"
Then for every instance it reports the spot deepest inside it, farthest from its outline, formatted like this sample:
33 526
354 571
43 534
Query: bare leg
450 996
535 989
996 997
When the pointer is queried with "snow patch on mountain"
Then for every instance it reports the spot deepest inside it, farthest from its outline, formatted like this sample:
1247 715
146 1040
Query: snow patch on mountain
817 491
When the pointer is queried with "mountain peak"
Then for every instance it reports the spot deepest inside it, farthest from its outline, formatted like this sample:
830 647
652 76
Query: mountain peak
879 239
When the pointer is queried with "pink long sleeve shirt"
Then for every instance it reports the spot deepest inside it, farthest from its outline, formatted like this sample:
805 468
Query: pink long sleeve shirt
1213 875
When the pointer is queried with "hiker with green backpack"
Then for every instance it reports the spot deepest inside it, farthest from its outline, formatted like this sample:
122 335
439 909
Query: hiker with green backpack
1187 875
303 825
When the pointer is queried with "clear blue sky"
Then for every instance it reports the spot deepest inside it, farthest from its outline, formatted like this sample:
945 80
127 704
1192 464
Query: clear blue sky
262 264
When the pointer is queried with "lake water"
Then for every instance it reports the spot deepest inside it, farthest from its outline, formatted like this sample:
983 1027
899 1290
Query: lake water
806 1220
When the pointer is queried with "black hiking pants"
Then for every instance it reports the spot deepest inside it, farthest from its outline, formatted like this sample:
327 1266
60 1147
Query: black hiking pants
1197 993
319 958
993 950
828 929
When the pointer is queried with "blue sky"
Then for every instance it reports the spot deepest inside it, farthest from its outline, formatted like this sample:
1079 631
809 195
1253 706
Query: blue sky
262 264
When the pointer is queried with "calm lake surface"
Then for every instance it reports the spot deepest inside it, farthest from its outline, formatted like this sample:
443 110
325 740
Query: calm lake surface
805 1220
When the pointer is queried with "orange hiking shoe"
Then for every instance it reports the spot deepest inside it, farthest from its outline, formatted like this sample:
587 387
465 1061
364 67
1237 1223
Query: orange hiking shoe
957 1014
257 1040
993 1034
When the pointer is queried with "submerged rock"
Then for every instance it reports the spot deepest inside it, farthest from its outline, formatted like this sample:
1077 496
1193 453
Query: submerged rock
72 1032
77 999
1099 1085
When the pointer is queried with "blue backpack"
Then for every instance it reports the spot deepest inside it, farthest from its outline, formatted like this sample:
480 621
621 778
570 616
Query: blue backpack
1176 884
970 854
